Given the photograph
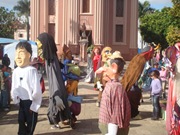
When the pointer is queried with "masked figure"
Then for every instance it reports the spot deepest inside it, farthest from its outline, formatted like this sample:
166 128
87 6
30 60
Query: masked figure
58 109
131 76
100 83
26 89
173 101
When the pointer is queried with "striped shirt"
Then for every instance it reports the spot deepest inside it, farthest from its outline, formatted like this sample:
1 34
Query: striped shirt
115 107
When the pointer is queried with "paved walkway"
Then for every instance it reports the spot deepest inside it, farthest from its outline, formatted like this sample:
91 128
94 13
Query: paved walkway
87 123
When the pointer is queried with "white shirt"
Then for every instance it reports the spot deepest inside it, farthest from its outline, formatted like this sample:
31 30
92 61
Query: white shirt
26 86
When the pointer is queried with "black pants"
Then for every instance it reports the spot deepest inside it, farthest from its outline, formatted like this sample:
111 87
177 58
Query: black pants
27 119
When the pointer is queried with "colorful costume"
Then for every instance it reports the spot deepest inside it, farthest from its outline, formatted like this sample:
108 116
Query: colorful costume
58 109
173 102
100 83
26 89
115 108
133 73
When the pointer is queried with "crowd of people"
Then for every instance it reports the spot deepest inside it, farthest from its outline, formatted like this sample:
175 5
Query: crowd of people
119 94
149 71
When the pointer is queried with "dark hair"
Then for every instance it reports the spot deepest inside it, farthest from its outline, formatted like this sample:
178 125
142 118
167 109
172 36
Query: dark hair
120 62
155 73
25 45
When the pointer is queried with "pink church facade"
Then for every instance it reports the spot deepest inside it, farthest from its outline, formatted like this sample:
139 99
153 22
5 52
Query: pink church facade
111 23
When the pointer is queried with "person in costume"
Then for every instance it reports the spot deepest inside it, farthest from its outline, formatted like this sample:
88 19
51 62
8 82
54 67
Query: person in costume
26 89
90 74
106 52
96 59
114 113
132 75
173 101
71 76
58 109
70 71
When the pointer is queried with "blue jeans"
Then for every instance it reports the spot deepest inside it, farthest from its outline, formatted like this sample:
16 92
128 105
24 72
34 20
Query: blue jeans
4 98
156 106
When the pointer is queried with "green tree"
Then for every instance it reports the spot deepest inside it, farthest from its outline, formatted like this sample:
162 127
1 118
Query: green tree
7 23
23 9
173 32
154 27
173 35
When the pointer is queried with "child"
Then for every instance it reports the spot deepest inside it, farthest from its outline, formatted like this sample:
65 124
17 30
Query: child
156 89
26 89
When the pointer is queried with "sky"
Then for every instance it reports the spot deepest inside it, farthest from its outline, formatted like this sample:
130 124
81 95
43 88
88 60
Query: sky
157 4
8 3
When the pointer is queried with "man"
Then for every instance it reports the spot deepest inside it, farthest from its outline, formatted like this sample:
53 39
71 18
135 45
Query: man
26 90
115 111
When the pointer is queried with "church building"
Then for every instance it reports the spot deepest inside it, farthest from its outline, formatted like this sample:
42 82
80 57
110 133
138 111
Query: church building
79 23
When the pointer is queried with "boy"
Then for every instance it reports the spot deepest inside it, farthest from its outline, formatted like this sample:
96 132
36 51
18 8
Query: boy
156 88
26 90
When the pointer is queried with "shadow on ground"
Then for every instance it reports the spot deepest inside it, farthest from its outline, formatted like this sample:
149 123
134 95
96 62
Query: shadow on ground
82 127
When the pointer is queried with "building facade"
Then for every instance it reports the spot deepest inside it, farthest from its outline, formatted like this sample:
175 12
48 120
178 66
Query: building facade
111 23
21 34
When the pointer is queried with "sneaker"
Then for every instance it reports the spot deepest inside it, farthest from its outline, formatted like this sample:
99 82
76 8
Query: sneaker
55 126
98 104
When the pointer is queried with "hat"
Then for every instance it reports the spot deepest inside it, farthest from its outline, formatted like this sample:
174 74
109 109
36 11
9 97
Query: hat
116 54
35 61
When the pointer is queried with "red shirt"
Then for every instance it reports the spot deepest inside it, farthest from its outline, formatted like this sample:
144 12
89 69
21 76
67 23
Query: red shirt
115 107
95 62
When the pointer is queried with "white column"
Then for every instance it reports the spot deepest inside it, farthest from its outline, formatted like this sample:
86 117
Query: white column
70 21
134 24
65 13
98 22
57 7
35 19
106 22
46 19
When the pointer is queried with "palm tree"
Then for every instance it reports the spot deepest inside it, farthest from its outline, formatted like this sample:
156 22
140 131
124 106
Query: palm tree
144 8
23 8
